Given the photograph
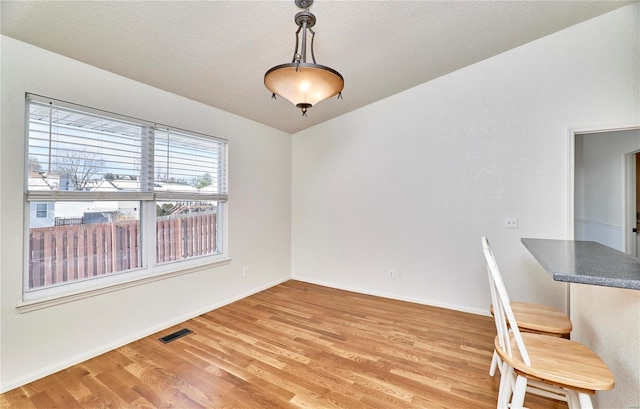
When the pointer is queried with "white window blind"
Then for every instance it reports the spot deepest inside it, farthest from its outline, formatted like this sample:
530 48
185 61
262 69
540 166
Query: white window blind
73 153
76 153
189 166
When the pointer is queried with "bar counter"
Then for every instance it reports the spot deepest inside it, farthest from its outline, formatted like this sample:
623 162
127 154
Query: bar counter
585 262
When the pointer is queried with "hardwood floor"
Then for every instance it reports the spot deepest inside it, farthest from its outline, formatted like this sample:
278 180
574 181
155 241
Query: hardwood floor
296 345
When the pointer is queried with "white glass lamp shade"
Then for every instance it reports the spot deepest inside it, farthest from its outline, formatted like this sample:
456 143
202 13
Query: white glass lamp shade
304 84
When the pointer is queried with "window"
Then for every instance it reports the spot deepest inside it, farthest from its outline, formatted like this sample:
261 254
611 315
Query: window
118 196
41 210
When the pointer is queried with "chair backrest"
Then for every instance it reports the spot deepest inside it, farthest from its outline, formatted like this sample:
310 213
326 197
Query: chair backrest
503 314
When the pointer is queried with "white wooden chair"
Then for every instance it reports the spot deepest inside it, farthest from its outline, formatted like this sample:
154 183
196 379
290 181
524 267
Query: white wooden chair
536 318
540 361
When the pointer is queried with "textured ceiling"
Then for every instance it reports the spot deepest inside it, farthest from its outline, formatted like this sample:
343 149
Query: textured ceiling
217 52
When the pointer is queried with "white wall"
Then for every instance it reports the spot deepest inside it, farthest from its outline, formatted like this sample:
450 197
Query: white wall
608 321
36 343
410 183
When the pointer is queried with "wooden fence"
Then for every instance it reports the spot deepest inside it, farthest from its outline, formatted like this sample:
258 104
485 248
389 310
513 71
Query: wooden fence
183 236
69 253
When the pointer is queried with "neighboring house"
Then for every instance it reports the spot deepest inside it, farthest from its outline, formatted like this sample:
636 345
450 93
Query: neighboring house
49 214
44 214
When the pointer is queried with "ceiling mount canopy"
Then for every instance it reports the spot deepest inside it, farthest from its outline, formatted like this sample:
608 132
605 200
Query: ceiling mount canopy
304 84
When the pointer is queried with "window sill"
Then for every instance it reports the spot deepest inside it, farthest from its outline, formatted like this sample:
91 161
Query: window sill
37 304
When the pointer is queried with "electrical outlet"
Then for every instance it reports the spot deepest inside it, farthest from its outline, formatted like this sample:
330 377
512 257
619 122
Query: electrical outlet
511 222
392 275
245 272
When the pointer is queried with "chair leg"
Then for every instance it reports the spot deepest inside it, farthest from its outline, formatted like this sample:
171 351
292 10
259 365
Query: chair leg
572 400
585 401
519 390
506 386
495 363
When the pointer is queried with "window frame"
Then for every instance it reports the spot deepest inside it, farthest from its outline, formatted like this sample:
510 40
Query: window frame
41 297
38 210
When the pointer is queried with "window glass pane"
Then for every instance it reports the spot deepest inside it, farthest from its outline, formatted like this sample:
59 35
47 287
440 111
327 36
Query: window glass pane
186 229
83 240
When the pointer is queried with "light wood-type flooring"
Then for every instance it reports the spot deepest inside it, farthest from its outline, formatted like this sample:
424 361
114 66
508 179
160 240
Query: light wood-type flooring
295 345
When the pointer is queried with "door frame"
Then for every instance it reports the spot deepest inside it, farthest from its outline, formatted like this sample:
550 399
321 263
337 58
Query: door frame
627 209
630 203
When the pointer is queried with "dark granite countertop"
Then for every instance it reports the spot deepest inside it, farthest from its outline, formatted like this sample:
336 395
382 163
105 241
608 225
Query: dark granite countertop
585 262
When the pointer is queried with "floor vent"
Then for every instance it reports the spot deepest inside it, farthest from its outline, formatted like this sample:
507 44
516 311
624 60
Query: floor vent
172 337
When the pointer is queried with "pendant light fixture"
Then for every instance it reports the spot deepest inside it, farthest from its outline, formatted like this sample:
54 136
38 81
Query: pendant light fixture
304 84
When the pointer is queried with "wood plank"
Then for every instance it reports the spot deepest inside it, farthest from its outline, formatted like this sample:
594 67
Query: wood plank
295 345
48 252
54 394
36 258
82 253
59 255
16 399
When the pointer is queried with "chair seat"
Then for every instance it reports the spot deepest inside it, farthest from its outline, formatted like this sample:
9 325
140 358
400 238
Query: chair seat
540 318
560 362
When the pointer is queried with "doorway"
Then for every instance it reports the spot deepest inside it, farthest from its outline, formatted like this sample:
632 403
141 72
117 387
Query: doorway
605 185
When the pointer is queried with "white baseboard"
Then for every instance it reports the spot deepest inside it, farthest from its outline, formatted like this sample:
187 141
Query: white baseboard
395 296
